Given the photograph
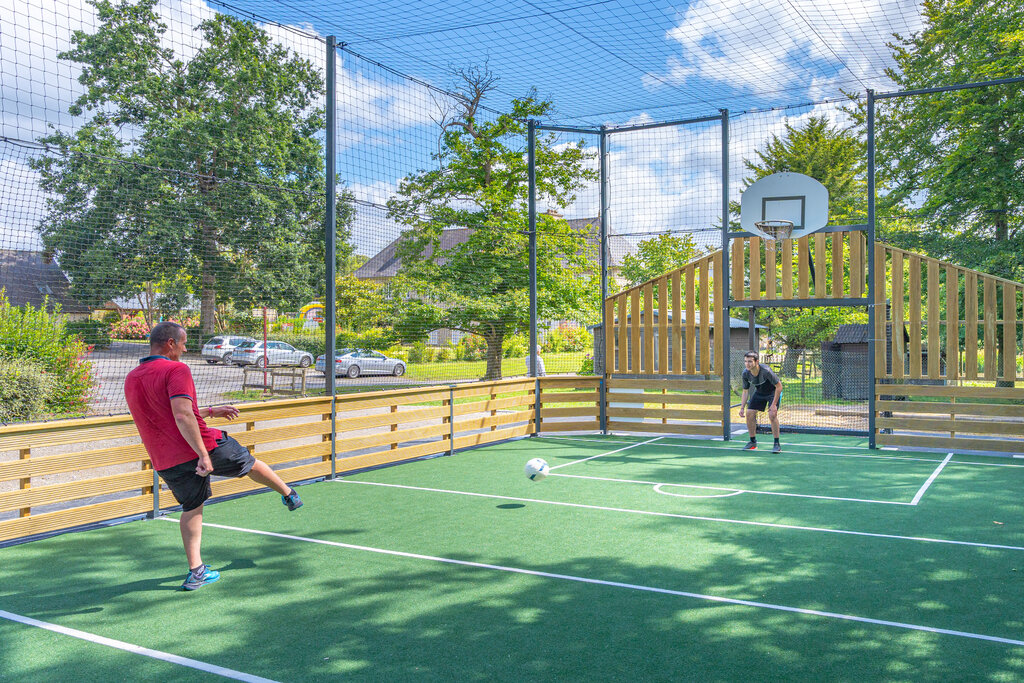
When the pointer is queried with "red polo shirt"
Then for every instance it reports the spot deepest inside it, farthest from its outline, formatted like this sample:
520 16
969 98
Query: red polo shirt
149 389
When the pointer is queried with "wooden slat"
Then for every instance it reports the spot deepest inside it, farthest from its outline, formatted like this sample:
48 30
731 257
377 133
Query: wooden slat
355 443
934 349
72 517
671 428
971 317
858 269
384 399
623 365
897 316
677 324
755 269
547 397
737 269
574 426
1009 332
490 437
63 432
570 381
914 288
837 263
803 265
952 323
787 269
293 453
705 318
820 270
670 399
74 490
580 411
960 426
977 409
500 419
663 316
357 462
879 331
691 317
1008 393
667 414
228 487
989 312
610 327
951 444
497 404
634 331
72 462
770 270
387 419
713 385
719 311
273 434
473 389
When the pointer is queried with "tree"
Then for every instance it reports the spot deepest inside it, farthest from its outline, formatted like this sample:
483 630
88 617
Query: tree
204 170
480 282
804 328
656 256
361 304
834 157
952 161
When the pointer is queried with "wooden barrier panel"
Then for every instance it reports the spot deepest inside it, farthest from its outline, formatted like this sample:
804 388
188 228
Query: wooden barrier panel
671 406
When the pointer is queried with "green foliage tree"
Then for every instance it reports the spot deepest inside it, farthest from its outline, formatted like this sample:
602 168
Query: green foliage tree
479 283
656 256
952 161
806 328
202 168
834 157
361 304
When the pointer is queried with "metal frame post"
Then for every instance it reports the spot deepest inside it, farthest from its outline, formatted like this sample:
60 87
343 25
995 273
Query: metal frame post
871 267
330 246
726 244
605 322
532 203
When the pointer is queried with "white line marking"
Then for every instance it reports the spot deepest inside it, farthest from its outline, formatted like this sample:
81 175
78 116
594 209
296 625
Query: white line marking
928 483
601 455
722 488
657 489
629 586
790 446
699 518
136 649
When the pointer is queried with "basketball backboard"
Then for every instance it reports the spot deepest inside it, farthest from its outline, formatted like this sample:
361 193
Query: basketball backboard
785 196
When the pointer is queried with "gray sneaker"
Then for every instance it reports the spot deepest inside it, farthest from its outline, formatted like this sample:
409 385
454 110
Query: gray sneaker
751 446
777 448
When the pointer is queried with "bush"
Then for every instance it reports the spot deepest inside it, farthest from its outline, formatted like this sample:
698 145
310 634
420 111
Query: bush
24 386
130 327
471 347
396 351
569 339
95 333
444 354
514 346
418 353
246 325
587 366
376 338
39 336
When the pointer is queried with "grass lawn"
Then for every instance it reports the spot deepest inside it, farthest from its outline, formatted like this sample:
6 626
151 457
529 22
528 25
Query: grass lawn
458 371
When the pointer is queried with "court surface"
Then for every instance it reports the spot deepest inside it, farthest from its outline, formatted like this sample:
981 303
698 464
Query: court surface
638 558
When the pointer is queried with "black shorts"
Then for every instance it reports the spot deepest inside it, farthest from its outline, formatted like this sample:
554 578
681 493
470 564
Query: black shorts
762 401
229 458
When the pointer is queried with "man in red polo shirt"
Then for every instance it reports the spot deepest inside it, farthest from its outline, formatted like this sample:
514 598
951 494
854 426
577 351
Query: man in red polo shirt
184 451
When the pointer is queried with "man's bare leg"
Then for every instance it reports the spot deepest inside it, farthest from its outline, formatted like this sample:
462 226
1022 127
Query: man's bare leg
262 474
192 536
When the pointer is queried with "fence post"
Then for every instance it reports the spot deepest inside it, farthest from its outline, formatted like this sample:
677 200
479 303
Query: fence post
451 420
330 246
723 325
871 268
609 362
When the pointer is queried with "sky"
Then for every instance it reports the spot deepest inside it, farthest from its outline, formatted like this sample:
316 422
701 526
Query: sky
610 63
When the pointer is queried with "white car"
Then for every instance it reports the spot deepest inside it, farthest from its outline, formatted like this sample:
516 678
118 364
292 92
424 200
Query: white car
218 349
363 362
276 353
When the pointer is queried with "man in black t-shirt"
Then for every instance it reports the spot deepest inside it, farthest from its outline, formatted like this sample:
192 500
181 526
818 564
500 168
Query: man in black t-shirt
767 393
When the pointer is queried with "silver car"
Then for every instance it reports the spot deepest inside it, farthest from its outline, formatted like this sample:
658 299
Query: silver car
218 349
368 363
338 354
276 353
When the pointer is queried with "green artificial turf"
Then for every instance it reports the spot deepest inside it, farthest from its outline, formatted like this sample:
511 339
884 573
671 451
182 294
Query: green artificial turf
598 551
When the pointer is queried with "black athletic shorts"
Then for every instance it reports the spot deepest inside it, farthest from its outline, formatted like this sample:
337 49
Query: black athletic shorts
229 458
762 401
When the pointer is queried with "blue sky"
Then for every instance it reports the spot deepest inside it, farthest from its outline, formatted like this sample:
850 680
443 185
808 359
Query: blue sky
608 62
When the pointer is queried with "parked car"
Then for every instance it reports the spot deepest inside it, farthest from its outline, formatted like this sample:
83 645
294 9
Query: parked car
363 362
276 353
338 353
219 349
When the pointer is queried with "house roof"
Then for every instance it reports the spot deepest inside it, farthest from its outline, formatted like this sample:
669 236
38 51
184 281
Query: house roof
28 277
860 333
385 263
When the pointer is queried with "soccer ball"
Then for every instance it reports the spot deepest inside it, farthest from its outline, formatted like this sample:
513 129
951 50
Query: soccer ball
537 469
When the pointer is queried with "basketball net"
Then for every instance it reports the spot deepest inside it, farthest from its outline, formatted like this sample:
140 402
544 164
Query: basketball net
777 231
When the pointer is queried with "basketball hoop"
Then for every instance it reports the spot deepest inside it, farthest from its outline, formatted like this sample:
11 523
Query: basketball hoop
776 230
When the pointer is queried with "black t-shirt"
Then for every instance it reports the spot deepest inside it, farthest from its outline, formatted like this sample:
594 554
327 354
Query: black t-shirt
765 381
